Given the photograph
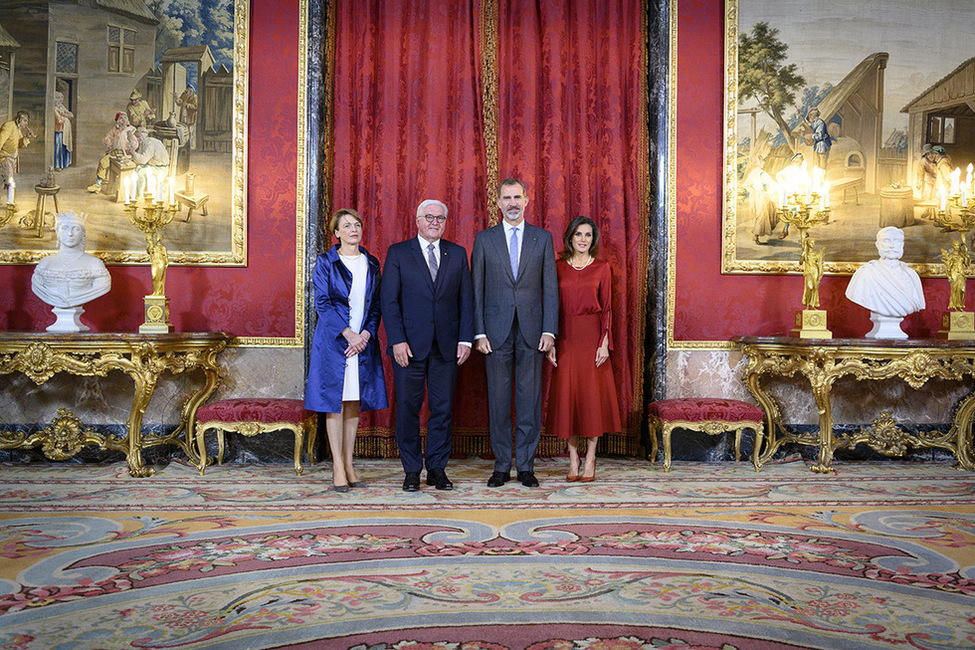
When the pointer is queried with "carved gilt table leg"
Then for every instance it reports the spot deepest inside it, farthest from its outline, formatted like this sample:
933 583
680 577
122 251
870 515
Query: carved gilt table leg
211 372
144 388
821 391
961 428
772 420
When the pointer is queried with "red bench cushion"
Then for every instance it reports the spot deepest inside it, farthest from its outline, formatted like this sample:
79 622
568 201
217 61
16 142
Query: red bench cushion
698 409
264 410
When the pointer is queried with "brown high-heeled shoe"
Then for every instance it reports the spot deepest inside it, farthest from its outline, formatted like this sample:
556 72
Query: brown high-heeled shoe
572 478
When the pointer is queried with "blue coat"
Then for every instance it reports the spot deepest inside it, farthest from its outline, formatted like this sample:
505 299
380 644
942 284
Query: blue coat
326 367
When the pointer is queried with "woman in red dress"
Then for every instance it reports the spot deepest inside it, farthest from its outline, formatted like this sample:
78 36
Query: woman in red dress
582 399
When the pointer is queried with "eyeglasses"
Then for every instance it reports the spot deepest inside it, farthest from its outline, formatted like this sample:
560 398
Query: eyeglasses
440 218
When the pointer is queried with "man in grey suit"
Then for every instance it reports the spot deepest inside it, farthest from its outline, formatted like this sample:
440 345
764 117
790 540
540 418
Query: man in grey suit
516 307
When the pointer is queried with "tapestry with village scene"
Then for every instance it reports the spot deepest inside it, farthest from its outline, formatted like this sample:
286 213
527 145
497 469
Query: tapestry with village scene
104 102
872 103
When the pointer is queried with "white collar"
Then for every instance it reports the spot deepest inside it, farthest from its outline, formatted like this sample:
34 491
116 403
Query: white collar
424 244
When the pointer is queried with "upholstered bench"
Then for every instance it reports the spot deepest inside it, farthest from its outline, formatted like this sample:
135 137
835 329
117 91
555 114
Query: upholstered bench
713 416
253 416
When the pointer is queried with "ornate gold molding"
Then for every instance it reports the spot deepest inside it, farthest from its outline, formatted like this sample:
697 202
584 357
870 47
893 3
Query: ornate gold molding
672 180
489 76
62 439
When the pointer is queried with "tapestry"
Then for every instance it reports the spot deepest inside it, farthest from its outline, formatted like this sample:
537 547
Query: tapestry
443 100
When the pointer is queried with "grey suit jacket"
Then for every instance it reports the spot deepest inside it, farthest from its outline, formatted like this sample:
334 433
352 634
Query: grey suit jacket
498 297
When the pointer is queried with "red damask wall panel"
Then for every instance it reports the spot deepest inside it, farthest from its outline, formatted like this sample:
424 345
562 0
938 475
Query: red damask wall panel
258 299
710 306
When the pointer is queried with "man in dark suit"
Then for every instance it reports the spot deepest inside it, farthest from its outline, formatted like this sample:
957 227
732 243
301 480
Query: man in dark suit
516 307
428 314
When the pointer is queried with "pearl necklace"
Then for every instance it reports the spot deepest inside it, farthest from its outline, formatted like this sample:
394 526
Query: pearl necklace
579 268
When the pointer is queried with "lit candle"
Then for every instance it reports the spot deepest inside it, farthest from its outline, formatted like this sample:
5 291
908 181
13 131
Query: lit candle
10 191
127 186
817 179
150 184
955 181
944 200
172 190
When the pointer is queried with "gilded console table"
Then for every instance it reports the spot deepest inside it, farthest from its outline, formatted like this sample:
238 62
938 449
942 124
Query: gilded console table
143 357
822 361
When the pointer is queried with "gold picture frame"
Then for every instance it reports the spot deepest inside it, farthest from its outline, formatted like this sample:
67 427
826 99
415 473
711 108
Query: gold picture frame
102 61
881 74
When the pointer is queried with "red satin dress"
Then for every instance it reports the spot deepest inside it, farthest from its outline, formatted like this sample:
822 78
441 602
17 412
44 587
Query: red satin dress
582 398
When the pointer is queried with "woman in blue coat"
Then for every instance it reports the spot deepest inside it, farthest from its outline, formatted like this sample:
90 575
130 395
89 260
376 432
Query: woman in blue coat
345 371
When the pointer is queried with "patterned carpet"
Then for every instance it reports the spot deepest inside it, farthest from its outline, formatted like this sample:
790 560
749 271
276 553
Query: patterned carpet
877 555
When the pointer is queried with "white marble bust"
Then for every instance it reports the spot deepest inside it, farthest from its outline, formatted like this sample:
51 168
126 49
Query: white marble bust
888 287
71 277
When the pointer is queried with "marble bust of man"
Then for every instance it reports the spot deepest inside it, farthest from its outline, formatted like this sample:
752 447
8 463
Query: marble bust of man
71 277
888 287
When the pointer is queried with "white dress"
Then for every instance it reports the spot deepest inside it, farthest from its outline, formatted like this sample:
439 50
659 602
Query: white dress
359 268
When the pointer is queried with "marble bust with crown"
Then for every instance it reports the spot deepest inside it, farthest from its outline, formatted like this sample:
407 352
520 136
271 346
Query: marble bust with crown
70 277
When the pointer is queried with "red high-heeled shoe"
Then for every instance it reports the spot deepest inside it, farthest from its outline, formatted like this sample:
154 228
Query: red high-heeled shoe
589 479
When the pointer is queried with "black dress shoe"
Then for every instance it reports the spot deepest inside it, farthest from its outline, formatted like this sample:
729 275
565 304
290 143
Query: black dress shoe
438 478
528 479
412 482
498 479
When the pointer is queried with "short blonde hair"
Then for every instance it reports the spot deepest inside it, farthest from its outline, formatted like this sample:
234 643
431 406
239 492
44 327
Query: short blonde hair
333 223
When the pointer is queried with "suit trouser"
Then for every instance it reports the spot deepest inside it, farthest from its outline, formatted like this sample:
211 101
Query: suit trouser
437 375
518 363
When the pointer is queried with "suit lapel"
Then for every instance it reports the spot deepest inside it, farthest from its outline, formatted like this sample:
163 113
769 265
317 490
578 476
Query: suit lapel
501 242
527 248
419 259
443 266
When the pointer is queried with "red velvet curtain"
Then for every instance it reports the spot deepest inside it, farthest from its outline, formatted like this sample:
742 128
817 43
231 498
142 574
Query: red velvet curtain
572 125
407 127
565 112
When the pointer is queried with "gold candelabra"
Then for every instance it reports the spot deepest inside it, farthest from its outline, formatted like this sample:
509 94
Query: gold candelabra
151 217
799 209
957 214
803 210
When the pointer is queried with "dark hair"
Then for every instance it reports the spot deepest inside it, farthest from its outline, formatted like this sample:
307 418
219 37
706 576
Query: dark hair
510 181
571 230
21 114
333 223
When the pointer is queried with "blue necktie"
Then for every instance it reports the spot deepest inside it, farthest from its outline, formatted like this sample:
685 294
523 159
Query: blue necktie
513 252
434 265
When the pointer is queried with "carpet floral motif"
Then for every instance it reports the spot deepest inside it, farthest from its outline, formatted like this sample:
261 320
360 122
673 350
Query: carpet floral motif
765 577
